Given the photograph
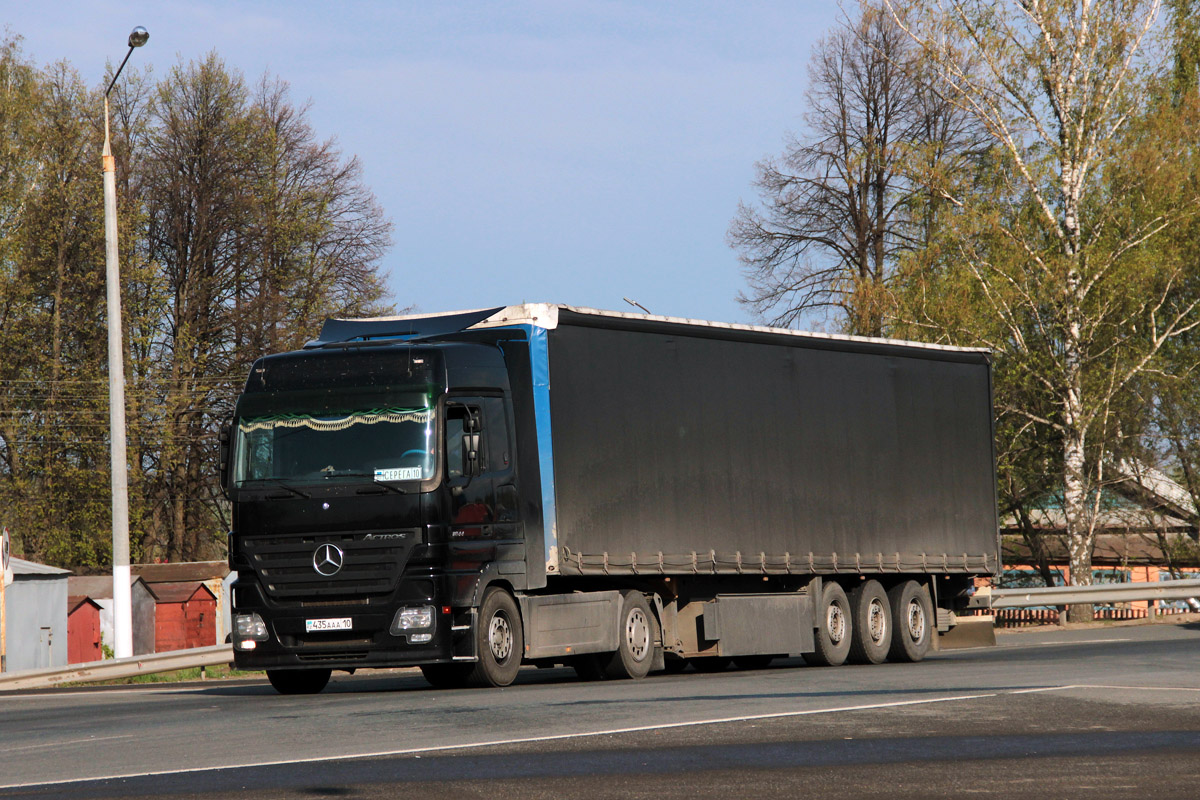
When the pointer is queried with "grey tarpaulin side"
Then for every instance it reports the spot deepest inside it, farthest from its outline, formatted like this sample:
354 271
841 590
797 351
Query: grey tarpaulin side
681 449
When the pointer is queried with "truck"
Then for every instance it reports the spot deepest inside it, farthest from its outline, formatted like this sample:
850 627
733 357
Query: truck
542 484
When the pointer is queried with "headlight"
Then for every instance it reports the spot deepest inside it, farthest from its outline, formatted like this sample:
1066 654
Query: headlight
249 629
414 623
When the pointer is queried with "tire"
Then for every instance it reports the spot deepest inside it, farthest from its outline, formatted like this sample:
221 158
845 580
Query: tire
871 613
637 632
913 621
711 663
834 628
447 676
753 662
299 681
499 640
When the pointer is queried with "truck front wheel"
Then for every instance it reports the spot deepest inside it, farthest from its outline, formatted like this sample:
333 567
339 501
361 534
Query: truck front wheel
499 640
912 618
834 628
298 681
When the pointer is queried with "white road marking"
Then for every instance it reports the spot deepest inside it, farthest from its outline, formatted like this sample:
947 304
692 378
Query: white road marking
502 742
1064 642
87 740
417 751
1137 688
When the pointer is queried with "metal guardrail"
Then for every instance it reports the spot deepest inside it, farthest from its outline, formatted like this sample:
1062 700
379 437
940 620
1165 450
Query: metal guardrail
1098 593
114 668
150 663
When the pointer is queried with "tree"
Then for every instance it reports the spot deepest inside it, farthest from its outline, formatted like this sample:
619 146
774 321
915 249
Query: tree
845 201
258 231
240 231
1058 250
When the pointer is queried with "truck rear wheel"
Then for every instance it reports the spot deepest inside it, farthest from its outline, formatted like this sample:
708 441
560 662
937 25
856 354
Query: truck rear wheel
447 676
299 681
912 621
871 613
834 628
499 640
637 632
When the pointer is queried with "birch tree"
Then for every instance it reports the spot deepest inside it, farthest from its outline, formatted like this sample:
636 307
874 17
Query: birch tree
1059 251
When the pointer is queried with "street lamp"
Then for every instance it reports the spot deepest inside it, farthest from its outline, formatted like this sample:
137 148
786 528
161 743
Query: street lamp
122 603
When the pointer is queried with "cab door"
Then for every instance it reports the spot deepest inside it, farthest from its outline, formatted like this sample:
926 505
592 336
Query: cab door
472 486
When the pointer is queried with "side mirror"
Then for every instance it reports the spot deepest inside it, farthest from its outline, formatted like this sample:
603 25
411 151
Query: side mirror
471 454
224 437
472 458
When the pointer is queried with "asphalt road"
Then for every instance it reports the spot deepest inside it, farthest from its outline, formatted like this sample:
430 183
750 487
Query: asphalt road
1096 713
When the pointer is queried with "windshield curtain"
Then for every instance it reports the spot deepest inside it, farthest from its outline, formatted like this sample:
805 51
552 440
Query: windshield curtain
381 444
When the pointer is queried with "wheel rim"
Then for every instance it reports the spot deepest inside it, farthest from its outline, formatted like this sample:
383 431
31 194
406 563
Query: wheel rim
500 637
916 621
835 623
877 622
637 634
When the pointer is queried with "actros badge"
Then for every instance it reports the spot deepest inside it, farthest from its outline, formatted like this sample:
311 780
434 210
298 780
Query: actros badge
328 559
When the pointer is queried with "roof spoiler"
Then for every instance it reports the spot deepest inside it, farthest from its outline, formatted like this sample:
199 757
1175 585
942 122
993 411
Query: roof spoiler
360 331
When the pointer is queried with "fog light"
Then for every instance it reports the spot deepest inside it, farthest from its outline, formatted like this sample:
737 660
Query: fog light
420 638
247 644
249 627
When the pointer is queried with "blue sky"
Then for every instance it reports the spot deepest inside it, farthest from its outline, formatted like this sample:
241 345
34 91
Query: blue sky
575 152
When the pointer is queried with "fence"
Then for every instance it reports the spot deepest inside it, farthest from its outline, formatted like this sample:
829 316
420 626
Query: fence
1026 617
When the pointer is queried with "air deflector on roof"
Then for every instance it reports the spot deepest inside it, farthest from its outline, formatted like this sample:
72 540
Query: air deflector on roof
349 330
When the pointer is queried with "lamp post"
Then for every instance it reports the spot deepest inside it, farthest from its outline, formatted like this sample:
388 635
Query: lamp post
122 603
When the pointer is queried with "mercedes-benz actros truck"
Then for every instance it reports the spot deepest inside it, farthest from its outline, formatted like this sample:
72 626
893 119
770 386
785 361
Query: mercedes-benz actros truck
543 484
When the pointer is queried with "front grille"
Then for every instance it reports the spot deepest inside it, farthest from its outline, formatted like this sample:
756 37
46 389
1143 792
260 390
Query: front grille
370 567
336 655
319 641
336 601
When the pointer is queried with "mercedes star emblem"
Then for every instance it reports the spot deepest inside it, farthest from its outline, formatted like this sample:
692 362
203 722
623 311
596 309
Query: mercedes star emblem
328 559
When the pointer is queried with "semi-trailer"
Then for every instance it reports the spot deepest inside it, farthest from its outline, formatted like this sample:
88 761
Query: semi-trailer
622 493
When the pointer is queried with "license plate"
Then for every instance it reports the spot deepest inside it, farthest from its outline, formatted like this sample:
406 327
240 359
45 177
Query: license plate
342 624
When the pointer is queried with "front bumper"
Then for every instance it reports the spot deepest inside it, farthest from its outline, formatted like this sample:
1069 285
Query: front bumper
368 642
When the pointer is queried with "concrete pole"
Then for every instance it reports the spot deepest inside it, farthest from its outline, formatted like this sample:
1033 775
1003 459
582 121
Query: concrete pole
122 601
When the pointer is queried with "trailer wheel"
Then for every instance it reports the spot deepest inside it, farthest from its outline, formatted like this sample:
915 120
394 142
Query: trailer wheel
447 676
299 681
913 620
636 634
835 628
871 612
499 640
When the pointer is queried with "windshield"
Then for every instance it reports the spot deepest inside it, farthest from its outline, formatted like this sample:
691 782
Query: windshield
381 444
